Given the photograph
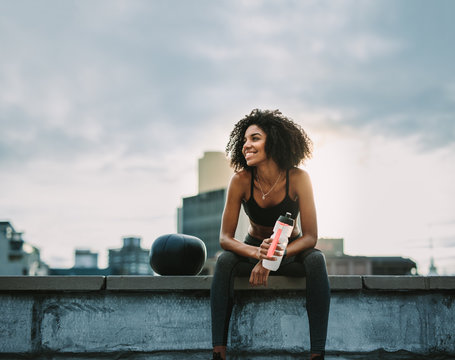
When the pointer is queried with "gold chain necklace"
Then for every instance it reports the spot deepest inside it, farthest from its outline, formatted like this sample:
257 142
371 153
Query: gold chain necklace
268 192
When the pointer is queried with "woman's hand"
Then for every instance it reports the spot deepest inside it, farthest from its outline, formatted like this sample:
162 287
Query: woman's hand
264 248
259 275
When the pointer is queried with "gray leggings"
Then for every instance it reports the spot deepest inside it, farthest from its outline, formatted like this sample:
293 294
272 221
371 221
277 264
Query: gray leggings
309 263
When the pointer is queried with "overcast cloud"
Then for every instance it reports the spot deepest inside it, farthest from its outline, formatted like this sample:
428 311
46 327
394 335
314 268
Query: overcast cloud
113 101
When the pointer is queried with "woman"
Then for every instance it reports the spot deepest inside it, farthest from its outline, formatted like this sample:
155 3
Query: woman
265 149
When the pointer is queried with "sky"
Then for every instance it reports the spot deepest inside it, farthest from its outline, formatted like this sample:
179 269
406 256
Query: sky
106 106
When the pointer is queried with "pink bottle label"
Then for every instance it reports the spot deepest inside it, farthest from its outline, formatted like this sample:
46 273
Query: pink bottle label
276 240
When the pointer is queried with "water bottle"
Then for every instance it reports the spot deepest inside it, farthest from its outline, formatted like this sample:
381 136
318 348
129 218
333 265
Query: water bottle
281 232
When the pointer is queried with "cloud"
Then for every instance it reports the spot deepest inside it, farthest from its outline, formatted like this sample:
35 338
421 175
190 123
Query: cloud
151 76
81 83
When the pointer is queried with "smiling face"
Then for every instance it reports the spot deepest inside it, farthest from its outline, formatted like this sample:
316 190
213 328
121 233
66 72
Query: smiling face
254 145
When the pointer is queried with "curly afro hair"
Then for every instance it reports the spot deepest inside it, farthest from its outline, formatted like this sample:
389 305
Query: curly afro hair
287 143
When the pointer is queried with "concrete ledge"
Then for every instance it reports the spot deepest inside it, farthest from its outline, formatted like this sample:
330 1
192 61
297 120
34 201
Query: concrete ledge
157 283
163 283
408 282
102 317
52 283
144 283
394 282
441 282
347 282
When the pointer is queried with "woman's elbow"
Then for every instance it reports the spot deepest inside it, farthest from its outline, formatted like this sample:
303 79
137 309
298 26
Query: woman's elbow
223 241
314 240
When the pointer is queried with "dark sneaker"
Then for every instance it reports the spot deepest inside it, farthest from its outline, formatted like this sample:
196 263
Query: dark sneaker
217 356
319 357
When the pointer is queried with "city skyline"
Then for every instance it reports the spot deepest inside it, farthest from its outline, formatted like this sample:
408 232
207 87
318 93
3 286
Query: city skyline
106 107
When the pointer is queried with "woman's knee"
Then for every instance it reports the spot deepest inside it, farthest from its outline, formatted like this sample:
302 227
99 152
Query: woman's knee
315 260
226 260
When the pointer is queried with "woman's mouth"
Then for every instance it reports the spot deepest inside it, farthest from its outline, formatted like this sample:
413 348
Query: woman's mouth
249 154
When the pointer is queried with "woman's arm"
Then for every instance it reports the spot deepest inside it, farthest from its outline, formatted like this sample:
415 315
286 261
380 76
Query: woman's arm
236 192
300 181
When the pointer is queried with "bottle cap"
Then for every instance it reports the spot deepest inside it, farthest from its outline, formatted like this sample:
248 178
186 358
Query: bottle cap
286 219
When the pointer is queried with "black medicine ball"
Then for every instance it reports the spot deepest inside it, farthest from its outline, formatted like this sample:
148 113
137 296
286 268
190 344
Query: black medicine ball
177 254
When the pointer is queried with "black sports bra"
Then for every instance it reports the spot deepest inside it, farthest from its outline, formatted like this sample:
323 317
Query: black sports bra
268 216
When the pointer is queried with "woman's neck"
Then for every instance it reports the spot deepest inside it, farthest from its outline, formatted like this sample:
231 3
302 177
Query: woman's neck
268 172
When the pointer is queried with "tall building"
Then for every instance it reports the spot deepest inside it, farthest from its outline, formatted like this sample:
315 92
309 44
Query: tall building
131 259
17 257
200 215
214 171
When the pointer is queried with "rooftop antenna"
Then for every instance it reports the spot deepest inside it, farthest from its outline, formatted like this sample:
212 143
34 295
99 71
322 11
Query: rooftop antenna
432 270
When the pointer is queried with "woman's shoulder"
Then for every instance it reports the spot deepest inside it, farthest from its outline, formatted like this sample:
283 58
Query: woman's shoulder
241 179
298 181
298 174
242 176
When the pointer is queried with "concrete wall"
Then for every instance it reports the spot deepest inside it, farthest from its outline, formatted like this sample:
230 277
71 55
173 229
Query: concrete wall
169 317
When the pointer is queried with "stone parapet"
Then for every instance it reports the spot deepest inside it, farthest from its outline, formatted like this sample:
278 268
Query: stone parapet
162 317
158 283
52 283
